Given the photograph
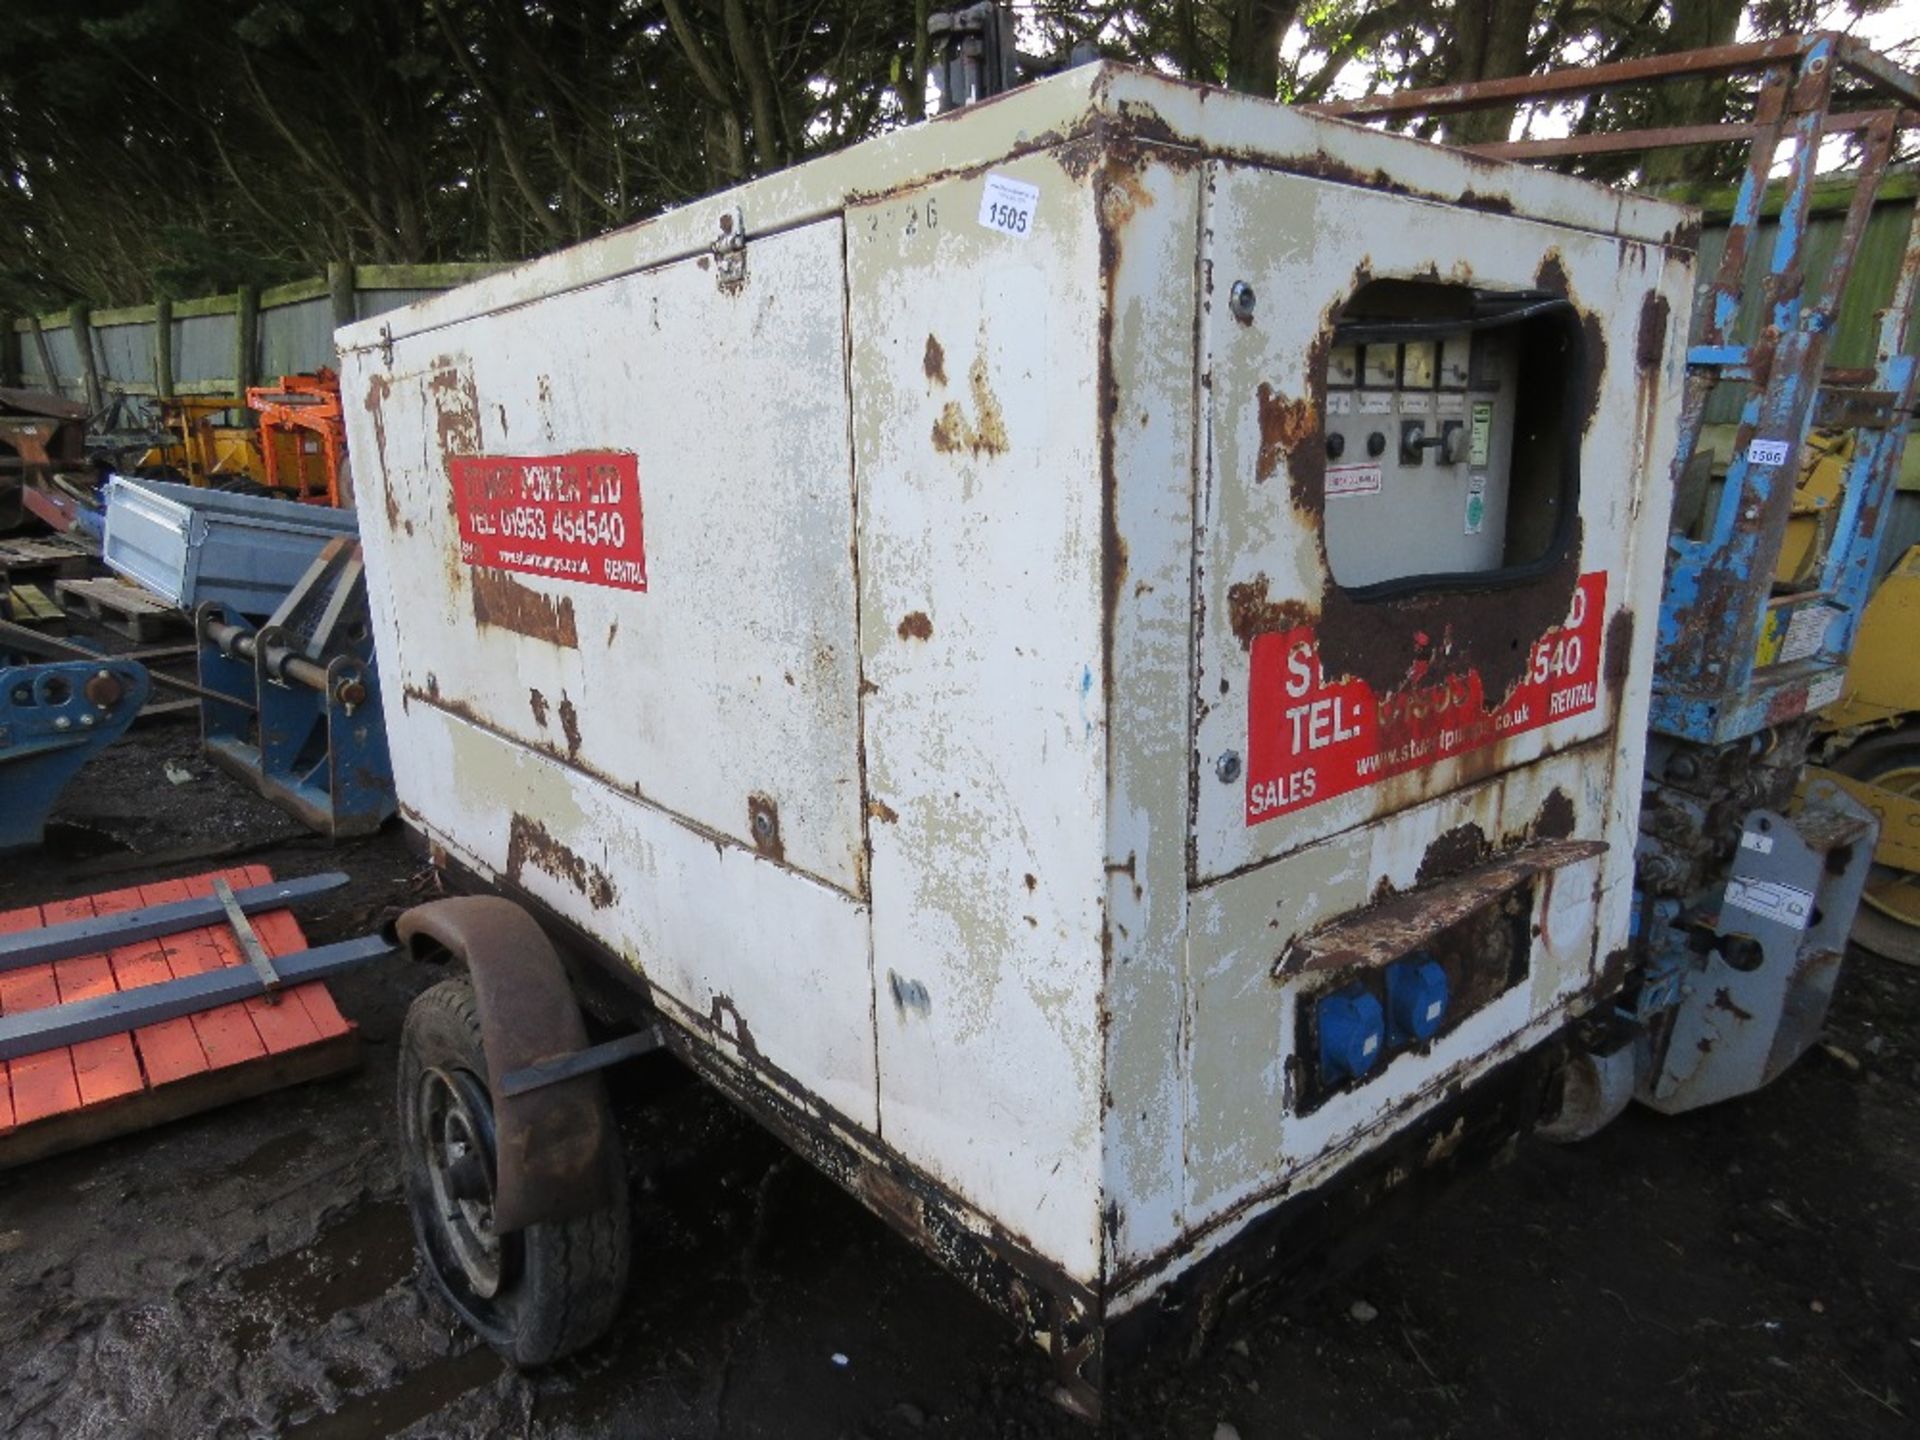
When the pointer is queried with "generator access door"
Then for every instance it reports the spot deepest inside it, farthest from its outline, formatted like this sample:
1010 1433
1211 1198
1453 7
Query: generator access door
1425 434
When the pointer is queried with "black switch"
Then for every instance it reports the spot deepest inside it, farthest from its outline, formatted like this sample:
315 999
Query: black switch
1336 445
1377 444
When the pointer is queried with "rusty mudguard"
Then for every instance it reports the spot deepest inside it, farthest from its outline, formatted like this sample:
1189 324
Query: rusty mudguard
557 1149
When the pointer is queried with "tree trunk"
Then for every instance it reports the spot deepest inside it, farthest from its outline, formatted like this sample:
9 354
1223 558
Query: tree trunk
1255 29
1489 43
1696 25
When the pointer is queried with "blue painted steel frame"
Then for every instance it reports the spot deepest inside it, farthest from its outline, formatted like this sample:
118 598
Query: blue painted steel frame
1710 685
53 719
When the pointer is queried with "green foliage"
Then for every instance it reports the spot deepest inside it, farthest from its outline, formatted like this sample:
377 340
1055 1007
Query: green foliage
187 146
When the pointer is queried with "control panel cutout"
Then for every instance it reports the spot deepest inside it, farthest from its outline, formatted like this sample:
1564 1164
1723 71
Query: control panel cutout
1450 425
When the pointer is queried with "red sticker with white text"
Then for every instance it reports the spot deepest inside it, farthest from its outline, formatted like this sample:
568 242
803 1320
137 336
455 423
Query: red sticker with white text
573 517
1311 738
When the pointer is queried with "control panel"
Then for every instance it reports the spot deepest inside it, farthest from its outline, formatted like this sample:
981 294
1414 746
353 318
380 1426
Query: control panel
1420 447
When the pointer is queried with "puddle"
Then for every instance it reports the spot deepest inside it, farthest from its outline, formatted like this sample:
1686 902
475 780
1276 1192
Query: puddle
357 1259
271 1158
67 841
418 1395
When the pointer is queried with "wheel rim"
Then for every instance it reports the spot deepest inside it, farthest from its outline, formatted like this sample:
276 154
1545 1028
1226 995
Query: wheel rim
456 1137
1895 893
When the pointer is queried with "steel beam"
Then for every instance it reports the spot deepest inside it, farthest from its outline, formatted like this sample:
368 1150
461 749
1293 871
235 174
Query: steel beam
128 927
33 1031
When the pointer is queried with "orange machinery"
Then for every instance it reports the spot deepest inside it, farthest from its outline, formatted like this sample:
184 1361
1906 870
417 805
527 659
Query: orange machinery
303 440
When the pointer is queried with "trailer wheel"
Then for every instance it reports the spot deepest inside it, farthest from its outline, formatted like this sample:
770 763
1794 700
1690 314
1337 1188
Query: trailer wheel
535 1294
1889 920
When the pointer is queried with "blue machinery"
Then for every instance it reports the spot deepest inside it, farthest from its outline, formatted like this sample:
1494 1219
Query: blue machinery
53 719
293 707
1744 909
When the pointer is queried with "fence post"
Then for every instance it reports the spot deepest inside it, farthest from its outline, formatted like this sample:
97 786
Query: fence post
45 352
80 326
163 346
246 333
340 290
9 352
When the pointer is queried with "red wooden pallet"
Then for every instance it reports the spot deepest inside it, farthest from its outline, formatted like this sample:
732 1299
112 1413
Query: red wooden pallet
78 1094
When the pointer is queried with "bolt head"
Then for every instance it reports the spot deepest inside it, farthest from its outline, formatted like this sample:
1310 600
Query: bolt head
1241 300
1227 767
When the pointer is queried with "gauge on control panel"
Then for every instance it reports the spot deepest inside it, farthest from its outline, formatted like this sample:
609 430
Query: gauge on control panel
1343 366
1416 368
1455 362
1383 365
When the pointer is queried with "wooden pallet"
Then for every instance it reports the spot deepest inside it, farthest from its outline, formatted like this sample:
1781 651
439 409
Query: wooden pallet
30 605
120 605
79 1094
46 555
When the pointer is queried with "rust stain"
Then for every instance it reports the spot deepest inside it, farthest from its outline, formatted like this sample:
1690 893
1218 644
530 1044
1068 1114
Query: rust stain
570 725
1122 196
1250 612
1492 204
1619 650
1652 338
880 810
502 601
379 390
916 627
1447 634
1723 1000
763 824
456 407
934 361
984 435
1452 853
539 704
529 842
1555 820
1284 426
725 1017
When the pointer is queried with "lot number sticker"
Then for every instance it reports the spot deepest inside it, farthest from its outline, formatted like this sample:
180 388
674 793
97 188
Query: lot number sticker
1767 452
1007 205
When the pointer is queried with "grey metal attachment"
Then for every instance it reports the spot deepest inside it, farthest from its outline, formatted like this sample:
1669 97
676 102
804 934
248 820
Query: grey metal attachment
35 1030
104 932
543 1073
249 939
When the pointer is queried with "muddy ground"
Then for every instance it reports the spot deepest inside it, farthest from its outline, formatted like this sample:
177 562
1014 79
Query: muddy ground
1751 1270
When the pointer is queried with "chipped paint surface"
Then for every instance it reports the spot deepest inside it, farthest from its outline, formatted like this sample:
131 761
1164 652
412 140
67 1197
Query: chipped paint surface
980 584
899 784
679 693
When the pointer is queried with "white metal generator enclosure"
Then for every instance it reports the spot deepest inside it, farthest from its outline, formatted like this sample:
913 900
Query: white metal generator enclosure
1083 655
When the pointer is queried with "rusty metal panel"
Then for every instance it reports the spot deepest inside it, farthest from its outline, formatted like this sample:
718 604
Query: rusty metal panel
888 758
771 968
1262 559
1244 1135
976 434
1150 206
725 691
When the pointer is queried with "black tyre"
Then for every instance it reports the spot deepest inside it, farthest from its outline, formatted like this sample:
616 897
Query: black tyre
535 1295
1889 920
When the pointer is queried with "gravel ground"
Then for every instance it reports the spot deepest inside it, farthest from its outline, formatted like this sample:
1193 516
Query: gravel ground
1748 1271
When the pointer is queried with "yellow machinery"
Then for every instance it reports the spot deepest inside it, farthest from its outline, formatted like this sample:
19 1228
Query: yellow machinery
1871 746
203 451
